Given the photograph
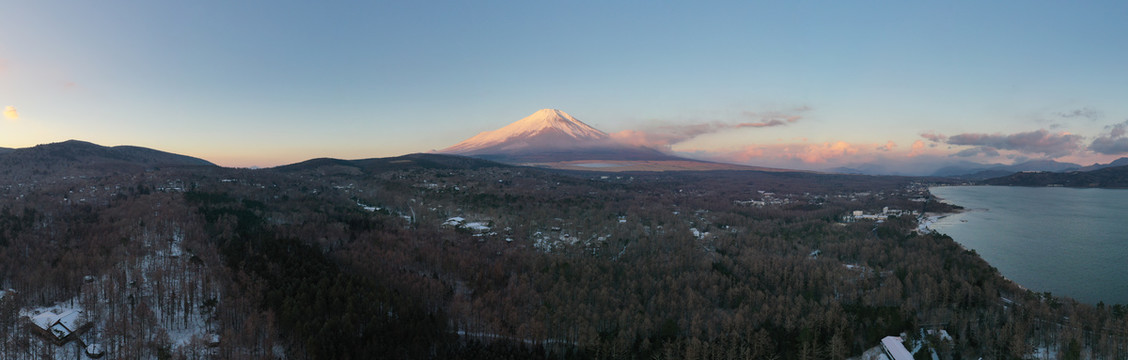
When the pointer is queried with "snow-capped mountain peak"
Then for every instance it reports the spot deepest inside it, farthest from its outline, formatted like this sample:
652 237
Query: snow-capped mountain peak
544 128
552 119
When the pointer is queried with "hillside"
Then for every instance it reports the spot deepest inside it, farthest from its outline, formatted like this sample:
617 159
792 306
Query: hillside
1110 177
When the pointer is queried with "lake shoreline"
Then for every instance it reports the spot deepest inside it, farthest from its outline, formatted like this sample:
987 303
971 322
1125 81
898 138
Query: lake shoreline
1041 239
926 219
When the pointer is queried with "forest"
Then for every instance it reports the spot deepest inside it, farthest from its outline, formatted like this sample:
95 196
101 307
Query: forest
436 257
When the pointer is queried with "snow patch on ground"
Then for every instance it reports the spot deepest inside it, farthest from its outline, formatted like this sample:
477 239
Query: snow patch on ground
454 221
477 226
367 207
460 222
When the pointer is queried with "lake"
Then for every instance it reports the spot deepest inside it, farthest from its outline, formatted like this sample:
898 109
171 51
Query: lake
1071 242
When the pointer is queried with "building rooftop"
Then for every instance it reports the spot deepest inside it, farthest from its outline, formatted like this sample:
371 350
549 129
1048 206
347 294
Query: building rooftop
895 349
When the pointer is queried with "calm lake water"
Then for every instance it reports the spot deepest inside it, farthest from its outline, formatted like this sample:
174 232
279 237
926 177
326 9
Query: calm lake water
1071 242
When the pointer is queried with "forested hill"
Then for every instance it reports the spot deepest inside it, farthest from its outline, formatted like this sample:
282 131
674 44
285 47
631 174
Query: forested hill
378 165
1111 177
80 158
439 257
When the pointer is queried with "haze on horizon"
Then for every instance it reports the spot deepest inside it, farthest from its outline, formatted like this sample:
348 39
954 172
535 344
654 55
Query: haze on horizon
812 85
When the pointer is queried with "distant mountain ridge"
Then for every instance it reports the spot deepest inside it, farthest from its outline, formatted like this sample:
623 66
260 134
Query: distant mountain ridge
995 171
328 166
1118 162
1002 170
1115 177
967 170
75 154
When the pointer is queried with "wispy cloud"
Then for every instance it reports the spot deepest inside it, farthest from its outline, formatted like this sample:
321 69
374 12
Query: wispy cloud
662 137
889 146
10 113
775 118
934 137
1041 141
1082 113
770 123
1112 141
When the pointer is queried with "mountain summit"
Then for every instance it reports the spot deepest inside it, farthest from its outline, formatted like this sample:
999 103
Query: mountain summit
547 128
547 136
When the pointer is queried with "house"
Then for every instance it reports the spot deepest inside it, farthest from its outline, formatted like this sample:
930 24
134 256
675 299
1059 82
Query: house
895 349
58 324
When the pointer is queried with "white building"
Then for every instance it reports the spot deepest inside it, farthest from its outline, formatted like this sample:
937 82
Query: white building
895 349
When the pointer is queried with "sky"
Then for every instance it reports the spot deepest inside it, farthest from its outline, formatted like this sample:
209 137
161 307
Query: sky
828 83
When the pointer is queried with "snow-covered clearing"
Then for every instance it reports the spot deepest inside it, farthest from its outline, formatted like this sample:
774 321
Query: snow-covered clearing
161 300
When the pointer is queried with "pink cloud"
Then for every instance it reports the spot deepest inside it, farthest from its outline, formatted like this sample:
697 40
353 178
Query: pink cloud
11 113
820 153
917 148
780 153
916 159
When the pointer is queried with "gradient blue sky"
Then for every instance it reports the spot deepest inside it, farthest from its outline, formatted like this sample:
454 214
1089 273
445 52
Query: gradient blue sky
273 82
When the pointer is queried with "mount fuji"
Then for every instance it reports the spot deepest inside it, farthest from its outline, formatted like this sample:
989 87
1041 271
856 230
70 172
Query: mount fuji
551 135
552 138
